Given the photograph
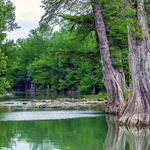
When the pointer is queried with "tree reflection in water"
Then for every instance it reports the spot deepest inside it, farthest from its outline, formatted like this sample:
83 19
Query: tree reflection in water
73 134
138 139
115 139
66 134
125 138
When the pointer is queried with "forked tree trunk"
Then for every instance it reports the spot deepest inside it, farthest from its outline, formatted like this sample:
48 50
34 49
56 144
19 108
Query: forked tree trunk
111 80
138 108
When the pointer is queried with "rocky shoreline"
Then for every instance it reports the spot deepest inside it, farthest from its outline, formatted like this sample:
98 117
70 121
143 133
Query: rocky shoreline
65 103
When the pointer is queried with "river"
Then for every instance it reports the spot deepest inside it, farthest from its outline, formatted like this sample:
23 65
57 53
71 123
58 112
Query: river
68 130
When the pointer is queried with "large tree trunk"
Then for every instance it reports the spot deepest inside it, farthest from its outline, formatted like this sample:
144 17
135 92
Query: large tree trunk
111 80
138 109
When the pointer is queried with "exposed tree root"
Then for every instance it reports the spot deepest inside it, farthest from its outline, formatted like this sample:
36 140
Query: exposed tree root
135 119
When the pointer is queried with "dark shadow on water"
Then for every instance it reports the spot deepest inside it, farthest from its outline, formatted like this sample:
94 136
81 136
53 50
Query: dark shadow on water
43 94
38 95
125 138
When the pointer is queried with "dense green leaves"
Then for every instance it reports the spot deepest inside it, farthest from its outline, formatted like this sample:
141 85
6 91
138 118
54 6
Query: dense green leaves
4 84
68 63
7 18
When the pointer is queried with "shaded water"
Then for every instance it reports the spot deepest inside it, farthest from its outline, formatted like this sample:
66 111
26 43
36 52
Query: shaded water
68 130
41 94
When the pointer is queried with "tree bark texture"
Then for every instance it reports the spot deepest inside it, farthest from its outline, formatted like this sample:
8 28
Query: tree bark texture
121 78
137 112
111 79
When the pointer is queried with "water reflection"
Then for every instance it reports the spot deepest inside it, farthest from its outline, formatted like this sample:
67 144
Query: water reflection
125 138
115 139
138 139
45 94
69 134
84 133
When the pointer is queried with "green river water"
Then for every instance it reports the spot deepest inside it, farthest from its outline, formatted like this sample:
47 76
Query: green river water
68 130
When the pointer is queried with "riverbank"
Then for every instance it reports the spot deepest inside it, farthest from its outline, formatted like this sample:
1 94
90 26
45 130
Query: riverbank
64 103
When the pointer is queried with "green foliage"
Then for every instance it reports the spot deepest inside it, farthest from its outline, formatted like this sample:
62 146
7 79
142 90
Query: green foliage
27 50
4 84
68 64
7 18
131 17
126 94
116 28
99 96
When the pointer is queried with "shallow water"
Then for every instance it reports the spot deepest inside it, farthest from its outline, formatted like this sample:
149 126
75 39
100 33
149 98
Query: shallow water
68 130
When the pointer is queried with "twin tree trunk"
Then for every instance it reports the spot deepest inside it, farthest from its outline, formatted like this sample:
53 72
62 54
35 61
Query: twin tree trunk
137 111
138 108
110 76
